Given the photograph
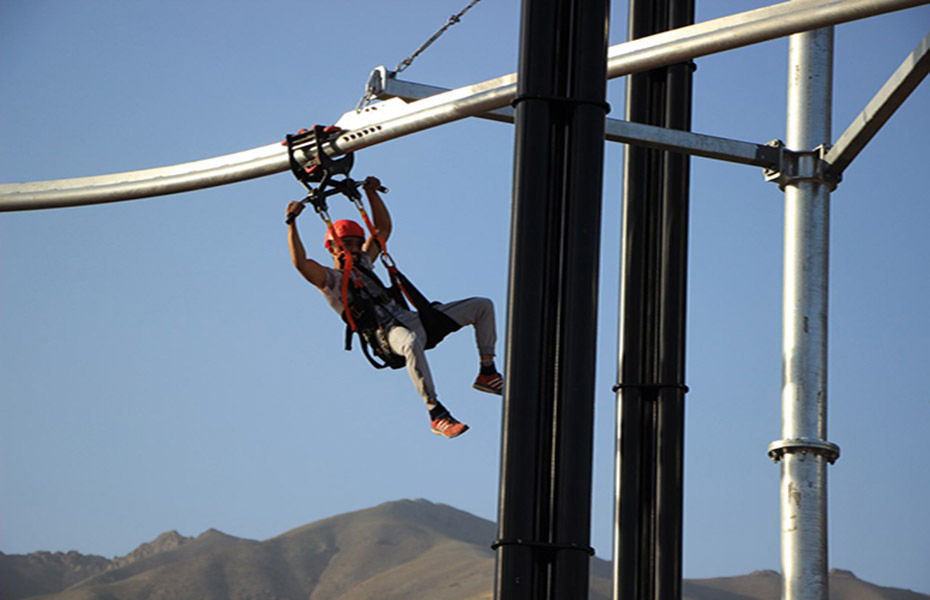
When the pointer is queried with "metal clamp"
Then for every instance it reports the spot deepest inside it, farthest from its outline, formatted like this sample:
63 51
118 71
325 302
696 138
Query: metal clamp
651 386
320 168
377 81
828 450
561 101
544 546
795 166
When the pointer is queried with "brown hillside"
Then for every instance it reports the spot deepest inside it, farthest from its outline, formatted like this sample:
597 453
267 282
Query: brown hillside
22 576
397 550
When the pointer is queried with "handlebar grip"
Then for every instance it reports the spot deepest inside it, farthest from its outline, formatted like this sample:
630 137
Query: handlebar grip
381 188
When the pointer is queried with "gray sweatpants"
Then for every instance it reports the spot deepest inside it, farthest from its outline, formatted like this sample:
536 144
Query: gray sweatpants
409 339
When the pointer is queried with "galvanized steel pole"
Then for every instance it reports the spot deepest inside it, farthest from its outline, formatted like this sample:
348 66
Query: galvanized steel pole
804 451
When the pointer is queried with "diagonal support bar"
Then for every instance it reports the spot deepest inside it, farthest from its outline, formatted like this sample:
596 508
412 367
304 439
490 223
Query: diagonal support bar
643 54
880 108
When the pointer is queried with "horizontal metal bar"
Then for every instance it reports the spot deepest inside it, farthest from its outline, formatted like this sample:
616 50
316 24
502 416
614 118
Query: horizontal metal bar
385 86
880 108
646 53
695 144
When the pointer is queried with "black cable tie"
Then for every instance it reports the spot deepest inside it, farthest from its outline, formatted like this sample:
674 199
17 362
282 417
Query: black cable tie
546 546
560 100
651 386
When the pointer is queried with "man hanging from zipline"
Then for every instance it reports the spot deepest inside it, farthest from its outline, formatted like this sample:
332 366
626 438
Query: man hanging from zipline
398 335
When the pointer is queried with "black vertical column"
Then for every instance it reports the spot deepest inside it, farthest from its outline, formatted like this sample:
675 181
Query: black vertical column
545 490
648 540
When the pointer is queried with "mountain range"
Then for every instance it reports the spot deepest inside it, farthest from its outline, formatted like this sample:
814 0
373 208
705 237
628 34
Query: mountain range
408 549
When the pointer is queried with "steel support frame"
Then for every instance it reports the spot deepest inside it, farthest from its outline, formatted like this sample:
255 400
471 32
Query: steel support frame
716 35
781 165
386 86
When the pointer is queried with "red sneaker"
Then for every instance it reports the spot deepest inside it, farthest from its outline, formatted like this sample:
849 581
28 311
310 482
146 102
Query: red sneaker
447 426
492 384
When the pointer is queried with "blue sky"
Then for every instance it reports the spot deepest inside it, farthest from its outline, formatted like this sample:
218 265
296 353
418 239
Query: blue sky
162 366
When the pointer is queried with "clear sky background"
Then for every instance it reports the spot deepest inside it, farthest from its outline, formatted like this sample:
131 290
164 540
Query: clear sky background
163 366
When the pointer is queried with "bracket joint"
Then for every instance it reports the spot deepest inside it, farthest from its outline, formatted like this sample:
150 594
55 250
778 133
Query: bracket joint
797 166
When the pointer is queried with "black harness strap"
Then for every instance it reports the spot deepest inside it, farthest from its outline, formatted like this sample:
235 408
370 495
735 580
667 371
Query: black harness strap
392 360
436 323
370 332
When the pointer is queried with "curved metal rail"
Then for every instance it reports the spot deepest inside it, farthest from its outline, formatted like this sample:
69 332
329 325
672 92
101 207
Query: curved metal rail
385 121
131 185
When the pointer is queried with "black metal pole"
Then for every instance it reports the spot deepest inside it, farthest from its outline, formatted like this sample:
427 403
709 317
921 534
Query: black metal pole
545 491
587 87
525 480
648 539
671 405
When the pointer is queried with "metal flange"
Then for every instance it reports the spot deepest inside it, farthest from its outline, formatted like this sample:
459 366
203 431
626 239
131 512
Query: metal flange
828 450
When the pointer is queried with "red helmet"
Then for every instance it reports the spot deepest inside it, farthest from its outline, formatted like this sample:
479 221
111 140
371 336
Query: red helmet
344 228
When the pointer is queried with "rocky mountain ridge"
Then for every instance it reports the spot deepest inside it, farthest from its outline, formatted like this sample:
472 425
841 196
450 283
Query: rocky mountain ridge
397 550
170 540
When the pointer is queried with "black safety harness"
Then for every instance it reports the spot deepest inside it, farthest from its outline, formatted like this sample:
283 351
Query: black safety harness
362 291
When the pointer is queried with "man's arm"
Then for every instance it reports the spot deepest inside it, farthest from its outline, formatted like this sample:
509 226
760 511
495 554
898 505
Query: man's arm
309 268
380 216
